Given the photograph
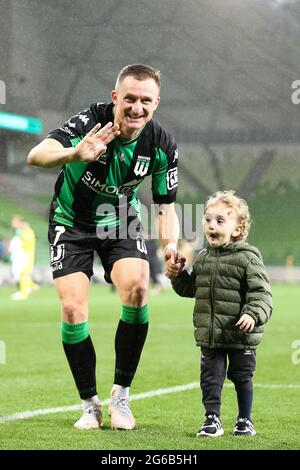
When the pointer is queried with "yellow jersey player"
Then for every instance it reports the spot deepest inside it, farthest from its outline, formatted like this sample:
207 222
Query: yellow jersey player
22 251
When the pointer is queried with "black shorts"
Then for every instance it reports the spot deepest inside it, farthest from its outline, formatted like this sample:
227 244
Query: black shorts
72 250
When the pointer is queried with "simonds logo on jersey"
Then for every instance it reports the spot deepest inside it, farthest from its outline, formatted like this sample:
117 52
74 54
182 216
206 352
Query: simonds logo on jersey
95 185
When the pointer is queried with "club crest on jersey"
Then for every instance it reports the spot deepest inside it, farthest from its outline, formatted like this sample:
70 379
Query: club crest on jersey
142 165
172 178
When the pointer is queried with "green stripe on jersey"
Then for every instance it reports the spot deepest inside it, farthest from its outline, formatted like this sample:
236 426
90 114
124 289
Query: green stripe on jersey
102 196
159 182
64 213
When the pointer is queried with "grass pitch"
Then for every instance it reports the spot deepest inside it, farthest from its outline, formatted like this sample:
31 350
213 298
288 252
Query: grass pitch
36 376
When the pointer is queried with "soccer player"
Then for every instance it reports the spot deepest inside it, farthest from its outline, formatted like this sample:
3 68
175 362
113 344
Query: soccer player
105 152
22 255
233 302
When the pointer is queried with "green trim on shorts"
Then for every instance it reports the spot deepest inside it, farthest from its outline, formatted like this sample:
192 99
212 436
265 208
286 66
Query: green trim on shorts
137 315
73 334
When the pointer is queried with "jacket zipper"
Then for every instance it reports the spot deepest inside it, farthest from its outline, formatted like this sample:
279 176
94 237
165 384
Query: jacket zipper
212 300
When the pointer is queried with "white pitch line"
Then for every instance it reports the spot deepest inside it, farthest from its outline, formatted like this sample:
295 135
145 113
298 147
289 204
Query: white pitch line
139 396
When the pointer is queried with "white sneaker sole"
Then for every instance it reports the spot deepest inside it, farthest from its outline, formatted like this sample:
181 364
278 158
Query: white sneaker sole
219 433
245 434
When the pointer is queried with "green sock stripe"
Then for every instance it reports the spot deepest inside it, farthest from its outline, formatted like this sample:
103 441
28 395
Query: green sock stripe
137 315
73 334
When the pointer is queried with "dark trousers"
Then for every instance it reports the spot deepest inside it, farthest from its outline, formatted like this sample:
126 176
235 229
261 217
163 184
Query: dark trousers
242 364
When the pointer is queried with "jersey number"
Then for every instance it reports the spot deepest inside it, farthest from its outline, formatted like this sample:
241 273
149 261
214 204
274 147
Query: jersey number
141 245
57 252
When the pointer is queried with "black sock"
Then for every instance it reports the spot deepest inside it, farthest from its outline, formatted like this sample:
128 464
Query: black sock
82 361
129 342
244 392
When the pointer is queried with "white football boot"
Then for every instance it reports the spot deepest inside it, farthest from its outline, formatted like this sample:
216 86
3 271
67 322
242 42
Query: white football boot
119 411
91 417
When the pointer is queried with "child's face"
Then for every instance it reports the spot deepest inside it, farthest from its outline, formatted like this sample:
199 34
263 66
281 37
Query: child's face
220 225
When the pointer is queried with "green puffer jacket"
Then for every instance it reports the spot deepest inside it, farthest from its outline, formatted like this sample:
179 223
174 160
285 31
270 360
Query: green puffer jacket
227 282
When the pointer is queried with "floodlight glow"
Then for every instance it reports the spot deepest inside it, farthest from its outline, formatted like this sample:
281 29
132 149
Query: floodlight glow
20 123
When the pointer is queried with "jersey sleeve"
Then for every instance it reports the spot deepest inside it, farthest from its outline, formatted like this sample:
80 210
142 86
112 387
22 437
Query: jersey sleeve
165 174
74 129
259 296
185 284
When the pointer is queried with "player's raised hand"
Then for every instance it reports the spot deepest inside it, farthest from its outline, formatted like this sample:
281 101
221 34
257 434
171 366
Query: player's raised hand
94 144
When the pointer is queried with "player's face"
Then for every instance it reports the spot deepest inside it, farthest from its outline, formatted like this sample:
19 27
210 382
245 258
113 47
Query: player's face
220 225
135 102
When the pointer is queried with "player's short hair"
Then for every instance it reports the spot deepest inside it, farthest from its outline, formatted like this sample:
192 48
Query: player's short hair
238 205
139 72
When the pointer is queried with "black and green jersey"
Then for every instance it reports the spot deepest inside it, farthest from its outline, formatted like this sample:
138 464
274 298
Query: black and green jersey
89 194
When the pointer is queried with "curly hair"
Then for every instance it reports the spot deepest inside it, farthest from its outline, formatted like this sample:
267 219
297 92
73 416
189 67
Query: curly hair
237 204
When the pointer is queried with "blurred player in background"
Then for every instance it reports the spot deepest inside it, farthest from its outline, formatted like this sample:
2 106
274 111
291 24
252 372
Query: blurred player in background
22 256
105 152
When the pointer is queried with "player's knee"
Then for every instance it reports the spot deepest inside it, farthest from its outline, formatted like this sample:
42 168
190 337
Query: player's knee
73 311
138 293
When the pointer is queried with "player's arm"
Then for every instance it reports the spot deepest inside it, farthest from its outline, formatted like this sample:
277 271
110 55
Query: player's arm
168 225
168 230
51 153
164 188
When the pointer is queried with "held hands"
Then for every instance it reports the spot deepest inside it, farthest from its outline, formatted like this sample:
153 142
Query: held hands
246 323
94 144
175 263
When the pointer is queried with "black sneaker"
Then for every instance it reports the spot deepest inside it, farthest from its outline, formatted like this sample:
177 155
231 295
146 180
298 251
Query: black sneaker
211 427
244 427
